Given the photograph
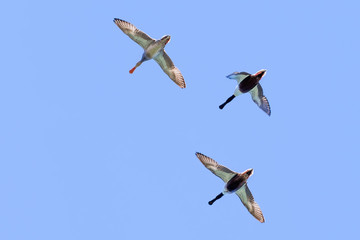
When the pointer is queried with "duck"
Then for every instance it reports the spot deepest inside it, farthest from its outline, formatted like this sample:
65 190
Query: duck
235 182
247 82
153 49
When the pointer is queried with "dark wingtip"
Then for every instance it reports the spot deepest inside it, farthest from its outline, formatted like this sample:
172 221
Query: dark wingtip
268 112
118 19
211 202
221 106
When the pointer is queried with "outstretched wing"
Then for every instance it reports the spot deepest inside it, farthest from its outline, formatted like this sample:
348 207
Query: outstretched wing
222 172
248 200
259 98
169 68
238 76
135 34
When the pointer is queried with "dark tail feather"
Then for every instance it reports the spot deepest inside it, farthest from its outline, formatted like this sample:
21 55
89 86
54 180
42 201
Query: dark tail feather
227 101
216 198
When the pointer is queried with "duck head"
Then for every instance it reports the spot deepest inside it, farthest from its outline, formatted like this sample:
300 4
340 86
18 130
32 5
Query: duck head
165 39
260 73
249 172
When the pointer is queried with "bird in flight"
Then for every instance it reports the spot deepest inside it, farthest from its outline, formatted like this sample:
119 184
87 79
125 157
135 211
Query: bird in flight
153 49
235 182
249 83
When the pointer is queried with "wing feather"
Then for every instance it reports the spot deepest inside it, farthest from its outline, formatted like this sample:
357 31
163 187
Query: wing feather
169 68
222 172
259 98
242 76
135 34
248 200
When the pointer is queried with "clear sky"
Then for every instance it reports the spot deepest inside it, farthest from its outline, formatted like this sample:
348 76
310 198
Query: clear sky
89 151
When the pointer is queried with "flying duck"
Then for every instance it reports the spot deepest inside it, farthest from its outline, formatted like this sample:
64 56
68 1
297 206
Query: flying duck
249 83
153 49
235 182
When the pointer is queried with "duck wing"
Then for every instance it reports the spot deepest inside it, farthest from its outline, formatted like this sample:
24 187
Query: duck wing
259 98
242 76
222 172
169 68
135 34
248 200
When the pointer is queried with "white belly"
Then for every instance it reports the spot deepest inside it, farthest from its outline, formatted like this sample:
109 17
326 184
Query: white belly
237 91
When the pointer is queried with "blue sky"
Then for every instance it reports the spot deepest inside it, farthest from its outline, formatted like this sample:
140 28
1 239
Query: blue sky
89 151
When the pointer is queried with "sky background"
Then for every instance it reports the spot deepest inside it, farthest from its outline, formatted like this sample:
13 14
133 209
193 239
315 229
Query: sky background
89 151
